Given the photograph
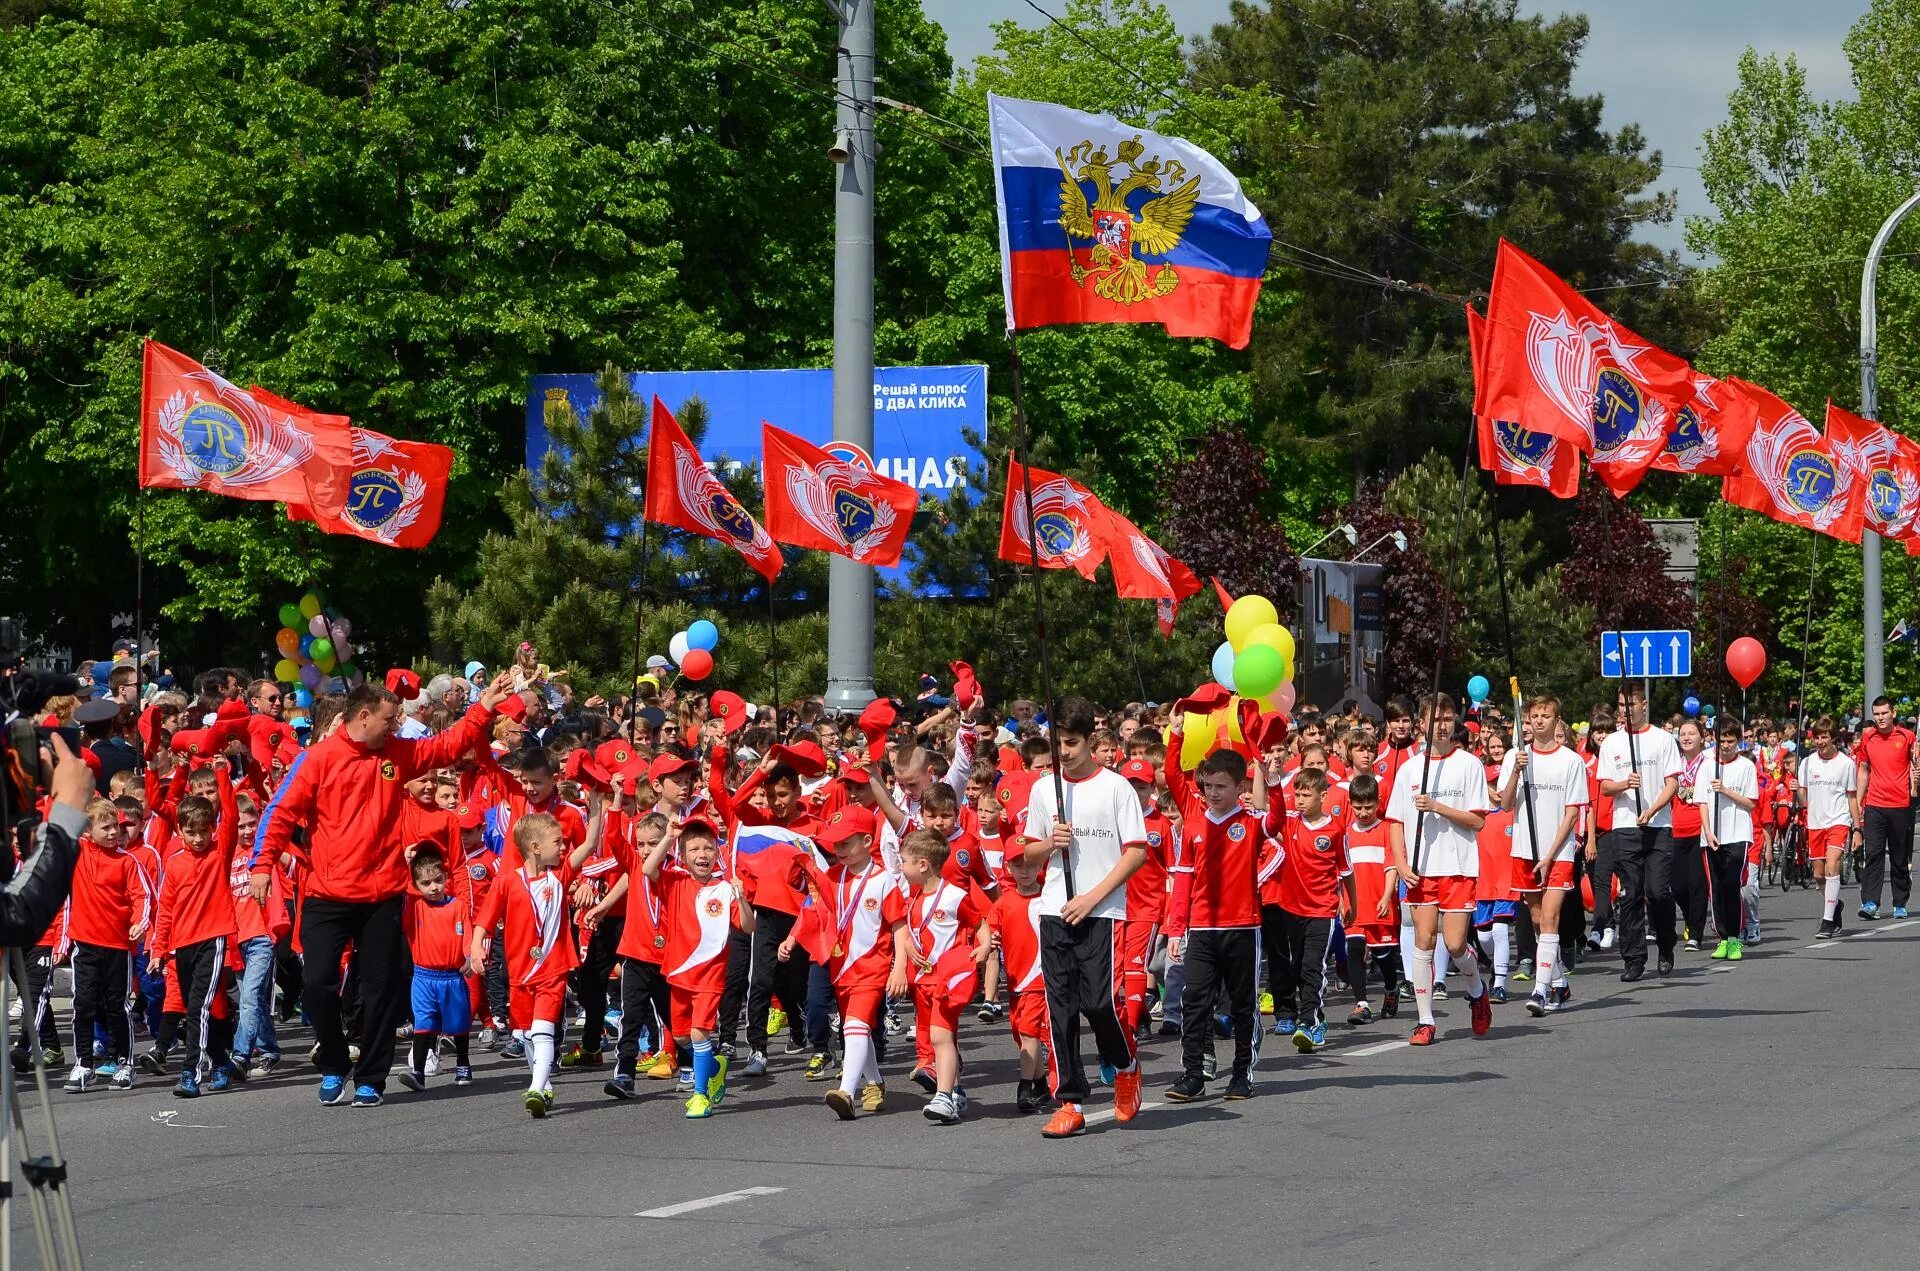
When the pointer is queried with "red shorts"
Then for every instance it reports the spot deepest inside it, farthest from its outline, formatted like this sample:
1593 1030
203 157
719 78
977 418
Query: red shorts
1029 1015
1378 935
1454 893
1136 945
939 1013
689 1009
527 1003
1831 839
861 1002
1559 876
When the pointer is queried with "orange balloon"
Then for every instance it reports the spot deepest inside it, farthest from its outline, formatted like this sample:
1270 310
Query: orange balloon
287 640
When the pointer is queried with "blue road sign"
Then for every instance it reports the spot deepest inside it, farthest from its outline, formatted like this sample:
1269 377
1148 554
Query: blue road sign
1660 655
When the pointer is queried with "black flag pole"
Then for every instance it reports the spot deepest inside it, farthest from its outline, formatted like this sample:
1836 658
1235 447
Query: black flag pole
773 654
1806 636
1626 692
1034 548
639 637
1720 674
1513 679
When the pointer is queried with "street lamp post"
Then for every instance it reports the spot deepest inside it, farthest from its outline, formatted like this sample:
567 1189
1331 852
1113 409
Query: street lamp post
1872 614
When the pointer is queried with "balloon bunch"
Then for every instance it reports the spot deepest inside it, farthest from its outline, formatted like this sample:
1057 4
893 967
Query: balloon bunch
313 648
692 650
1256 659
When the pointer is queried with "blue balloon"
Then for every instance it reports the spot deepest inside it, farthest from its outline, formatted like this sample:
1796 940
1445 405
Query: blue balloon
306 642
1223 666
702 635
302 698
1478 688
1709 710
1691 706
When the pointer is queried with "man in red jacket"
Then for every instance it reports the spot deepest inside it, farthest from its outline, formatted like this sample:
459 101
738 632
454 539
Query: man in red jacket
350 792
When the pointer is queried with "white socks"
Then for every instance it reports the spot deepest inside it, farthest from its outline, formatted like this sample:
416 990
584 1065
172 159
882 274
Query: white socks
1502 953
540 1054
1442 961
1832 894
1546 958
1470 971
858 1061
1420 972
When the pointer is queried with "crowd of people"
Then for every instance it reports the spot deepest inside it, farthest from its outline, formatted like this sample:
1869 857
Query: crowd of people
683 878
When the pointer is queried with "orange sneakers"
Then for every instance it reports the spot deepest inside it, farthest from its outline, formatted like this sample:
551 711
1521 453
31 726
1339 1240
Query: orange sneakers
1067 1121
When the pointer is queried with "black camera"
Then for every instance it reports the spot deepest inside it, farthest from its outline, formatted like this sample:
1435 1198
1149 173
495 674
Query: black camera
25 742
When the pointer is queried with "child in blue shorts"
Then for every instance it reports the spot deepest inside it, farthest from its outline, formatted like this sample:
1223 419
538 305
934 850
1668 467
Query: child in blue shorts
439 927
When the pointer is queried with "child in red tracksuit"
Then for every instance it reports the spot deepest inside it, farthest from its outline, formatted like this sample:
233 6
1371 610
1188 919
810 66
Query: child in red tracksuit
700 909
438 923
645 999
940 915
110 910
193 928
1016 933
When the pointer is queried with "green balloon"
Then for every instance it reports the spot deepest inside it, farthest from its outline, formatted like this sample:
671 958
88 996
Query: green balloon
290 617
321 650
1258 669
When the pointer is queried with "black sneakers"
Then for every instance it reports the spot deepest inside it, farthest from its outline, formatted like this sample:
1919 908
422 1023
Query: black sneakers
1186 1089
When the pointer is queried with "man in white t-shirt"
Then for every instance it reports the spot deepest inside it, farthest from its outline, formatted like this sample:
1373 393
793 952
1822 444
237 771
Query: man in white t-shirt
1545 784
1727 790
1830 791
1434 814
1089 852
1640 772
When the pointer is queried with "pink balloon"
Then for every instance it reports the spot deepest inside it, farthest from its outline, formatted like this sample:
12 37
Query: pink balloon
1283 698
318 626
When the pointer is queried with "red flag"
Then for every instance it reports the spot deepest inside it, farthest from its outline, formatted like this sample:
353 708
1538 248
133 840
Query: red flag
200 432
1517 455
815 499
1066 514
396 492
1793 474
1220 593
1709 434
1893 481
1144 570
682 493
1555 363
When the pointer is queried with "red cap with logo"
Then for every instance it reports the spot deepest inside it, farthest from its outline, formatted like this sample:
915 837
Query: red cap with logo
1138 770
666 765
845 823
730 709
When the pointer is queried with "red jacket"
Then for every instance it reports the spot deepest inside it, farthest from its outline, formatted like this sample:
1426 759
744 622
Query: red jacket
111 895
351 799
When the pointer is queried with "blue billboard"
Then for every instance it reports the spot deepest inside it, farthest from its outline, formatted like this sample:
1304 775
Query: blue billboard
922 416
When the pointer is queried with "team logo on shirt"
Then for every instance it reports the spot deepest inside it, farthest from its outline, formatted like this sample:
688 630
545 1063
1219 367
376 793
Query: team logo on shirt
1153 838
962 858
713 906
1236 832
1322 843
939 915
387 771
477 872
872 903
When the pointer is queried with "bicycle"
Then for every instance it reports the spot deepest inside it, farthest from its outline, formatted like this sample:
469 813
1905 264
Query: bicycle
1791 856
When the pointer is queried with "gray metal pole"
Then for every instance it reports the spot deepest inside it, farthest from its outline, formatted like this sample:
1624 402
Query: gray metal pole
1871 614
850 585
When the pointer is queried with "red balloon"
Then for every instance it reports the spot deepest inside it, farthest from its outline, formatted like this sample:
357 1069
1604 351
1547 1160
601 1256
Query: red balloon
1746 661
697 665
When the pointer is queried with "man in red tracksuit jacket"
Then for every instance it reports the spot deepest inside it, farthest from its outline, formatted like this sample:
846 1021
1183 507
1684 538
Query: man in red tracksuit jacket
350 792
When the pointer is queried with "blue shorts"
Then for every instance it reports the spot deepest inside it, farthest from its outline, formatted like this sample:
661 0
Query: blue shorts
440 1002
1488 912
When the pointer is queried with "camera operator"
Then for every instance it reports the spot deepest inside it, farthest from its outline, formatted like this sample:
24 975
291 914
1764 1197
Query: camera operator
40 883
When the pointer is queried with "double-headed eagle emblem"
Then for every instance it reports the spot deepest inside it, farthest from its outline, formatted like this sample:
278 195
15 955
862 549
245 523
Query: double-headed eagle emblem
1120 236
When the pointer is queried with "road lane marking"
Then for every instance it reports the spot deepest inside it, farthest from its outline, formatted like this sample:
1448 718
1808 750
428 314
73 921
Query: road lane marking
708 1202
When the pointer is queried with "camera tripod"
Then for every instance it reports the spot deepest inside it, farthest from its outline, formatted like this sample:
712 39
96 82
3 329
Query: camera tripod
46 1175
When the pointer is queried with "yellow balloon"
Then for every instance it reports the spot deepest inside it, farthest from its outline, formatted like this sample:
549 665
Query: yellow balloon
1196 739
1275 636
309 606
1247 614
1232 712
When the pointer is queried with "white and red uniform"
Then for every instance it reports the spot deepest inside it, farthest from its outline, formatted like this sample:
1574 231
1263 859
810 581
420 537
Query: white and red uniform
867 906
539 952
1146 910
936 921
1828 783
1016 919
1369 853
1315 860
698 917
1560 780
1446 856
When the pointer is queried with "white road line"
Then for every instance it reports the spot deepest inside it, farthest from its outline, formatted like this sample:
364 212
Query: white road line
1866 933
1380 1049
707 1202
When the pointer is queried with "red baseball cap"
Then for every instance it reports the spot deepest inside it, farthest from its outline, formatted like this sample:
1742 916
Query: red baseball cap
700 822
580 767
514 708
668 764
1204 700
618 758
878 717
807 759
730 709
845 823
403 684
857 776
1138 770
472 816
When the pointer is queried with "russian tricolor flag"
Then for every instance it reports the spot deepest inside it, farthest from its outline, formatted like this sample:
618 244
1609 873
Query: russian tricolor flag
1103 222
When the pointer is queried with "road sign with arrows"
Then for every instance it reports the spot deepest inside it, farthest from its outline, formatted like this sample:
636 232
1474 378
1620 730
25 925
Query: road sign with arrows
1646 654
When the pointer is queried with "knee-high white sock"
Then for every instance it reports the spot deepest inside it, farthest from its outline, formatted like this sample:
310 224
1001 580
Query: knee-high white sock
1470 972
1546 959
1502 953
1420 971
858 1059
1406 947
1442 961
1832 894
540 1054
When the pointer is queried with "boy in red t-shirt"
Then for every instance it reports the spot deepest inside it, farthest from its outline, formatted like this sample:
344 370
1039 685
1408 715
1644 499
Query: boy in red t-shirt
109 911
1372 933
940 916
437 924
530 906
1146 894
193 923
645 1000
988 819
699 911
1015 924
869 957
1315 886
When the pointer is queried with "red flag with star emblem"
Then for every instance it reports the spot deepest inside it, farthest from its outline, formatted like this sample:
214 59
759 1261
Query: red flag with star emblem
1554 363
1517 455
198 431
1144 570
1066 521
1793 474
816 499
1891 463
681 492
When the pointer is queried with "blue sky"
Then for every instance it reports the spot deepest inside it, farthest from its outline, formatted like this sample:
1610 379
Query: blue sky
1667 65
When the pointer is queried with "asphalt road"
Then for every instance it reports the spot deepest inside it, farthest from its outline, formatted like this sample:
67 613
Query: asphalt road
1748 1117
